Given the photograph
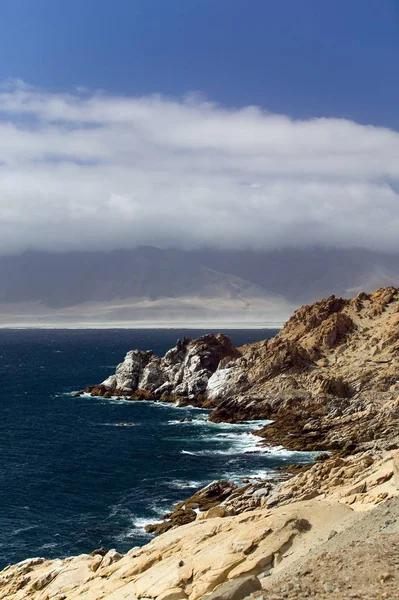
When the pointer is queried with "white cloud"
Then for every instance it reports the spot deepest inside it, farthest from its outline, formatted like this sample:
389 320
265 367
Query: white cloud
88 170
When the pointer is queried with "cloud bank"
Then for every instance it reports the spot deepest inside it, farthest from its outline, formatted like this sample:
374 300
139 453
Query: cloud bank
89 170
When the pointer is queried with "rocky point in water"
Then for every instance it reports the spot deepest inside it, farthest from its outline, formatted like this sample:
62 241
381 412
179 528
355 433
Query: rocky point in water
329 379
182 374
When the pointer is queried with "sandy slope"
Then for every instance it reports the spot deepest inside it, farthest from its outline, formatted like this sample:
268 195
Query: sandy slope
362 561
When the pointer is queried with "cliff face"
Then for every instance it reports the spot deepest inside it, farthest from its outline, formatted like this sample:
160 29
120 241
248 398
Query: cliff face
335 346
329 379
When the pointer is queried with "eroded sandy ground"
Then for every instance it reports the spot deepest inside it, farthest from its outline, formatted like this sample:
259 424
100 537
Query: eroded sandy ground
360 562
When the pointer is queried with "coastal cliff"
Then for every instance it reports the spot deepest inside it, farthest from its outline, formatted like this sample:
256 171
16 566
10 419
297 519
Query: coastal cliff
329 381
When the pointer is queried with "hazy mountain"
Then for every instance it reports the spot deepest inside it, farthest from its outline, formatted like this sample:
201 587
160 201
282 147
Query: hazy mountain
204 287
304 275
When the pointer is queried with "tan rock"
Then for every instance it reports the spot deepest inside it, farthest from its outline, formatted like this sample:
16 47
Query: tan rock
215 512
186 562
96 562
395 461
111 557
41 582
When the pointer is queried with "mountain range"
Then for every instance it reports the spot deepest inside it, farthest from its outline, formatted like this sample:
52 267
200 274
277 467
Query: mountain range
148 286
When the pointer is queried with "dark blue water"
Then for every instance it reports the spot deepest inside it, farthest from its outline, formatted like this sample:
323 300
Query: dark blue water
71 479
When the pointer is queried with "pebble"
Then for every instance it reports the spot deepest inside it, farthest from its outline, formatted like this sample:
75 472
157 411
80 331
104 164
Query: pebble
332 534
383 577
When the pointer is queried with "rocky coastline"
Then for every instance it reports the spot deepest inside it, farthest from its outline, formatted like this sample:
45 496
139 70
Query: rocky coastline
324 380
329 383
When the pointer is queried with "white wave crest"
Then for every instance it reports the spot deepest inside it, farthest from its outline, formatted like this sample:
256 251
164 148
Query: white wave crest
182 485
121 424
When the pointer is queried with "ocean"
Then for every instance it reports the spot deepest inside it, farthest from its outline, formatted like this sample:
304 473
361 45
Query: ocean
71 478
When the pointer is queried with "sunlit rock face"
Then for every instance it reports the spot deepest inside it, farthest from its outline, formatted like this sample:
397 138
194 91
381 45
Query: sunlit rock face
183 372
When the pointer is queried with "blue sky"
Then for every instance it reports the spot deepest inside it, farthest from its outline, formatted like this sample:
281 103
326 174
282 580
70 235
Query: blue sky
236 123
304 58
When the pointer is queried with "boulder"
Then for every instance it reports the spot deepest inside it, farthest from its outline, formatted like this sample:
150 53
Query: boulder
236 589
110 558
215 512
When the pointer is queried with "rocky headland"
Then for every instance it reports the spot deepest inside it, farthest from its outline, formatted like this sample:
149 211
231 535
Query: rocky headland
329 379
329 382
182 375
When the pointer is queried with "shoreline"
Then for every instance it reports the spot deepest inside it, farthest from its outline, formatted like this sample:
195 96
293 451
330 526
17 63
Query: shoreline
260 549
329 380
175 516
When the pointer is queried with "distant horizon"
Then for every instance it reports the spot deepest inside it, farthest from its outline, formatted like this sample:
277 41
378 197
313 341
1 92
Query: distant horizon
163 325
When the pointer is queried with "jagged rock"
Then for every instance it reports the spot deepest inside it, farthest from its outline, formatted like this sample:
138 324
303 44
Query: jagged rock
128 373
152 376
204 500
183 372
218 383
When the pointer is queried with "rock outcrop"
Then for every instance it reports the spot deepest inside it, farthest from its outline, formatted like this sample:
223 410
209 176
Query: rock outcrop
335 347
206 499
182 374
